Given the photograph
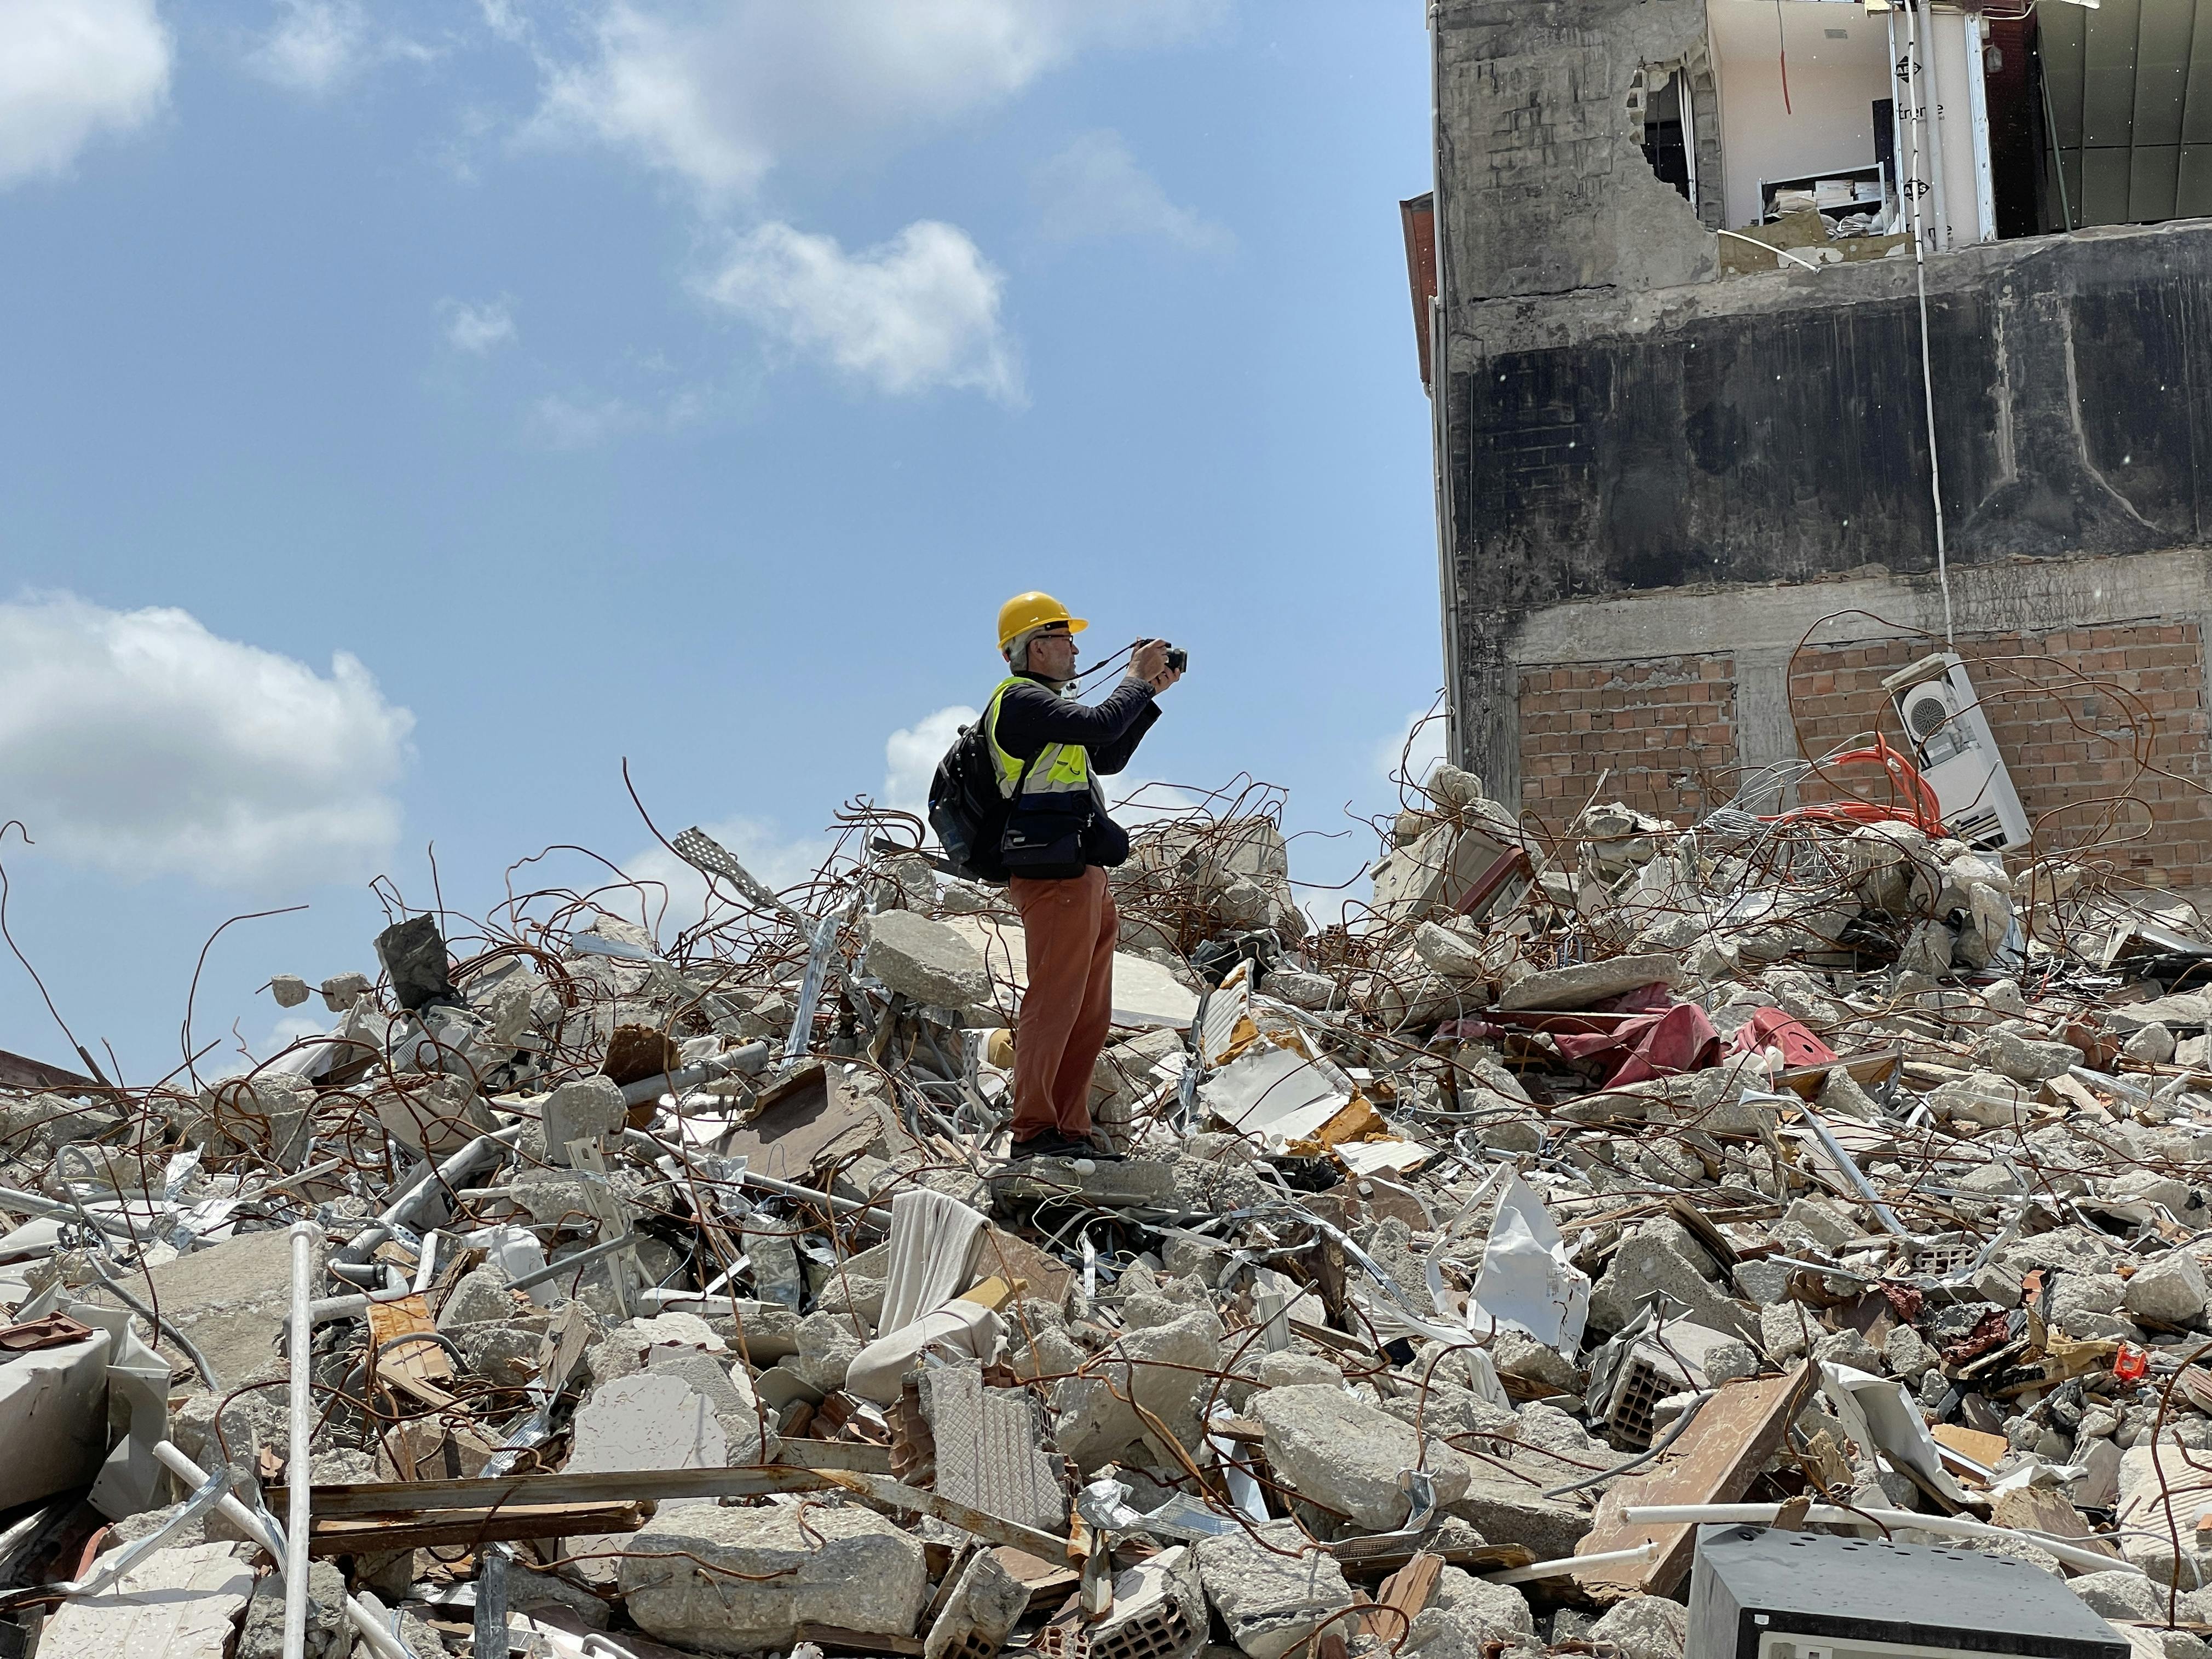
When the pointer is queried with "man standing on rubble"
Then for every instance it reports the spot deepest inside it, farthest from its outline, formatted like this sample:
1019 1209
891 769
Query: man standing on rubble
1049 751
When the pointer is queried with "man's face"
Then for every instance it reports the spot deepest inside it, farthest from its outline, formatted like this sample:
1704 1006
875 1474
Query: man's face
1052 653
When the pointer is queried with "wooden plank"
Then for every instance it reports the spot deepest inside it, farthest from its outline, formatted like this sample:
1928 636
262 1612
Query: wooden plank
1403 1595
1867 1071
833 1639
1371 1559
1003 1253
1971 1443
423 1360
861 1456
652 1486
1726 1445
1039 1576
382 1533
797 1122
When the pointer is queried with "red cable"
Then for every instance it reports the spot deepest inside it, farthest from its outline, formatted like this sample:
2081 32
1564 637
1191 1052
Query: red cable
1782 37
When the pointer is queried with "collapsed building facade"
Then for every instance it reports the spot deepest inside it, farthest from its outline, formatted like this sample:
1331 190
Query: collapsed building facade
1752 389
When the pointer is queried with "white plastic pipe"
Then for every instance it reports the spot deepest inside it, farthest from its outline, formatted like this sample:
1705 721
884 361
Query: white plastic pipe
1828 1515
306 1237
370 1627
1571 1563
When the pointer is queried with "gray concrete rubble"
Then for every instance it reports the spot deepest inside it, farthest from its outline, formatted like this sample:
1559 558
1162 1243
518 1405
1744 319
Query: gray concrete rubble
1274 1589
1577 1174
741 1581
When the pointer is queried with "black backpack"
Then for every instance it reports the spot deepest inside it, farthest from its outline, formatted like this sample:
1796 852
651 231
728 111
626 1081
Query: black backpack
966 809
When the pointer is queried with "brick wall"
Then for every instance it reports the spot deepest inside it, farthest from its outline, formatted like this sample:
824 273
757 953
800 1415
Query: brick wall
2071 711
1666 728
2103 729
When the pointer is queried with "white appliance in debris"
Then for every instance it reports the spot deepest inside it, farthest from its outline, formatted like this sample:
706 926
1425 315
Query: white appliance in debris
1957 755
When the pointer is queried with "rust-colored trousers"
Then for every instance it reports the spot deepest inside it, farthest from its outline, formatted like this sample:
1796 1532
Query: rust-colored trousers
1071 927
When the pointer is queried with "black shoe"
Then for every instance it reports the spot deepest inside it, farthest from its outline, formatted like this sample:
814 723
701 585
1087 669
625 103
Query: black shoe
1099 1150
1050 1144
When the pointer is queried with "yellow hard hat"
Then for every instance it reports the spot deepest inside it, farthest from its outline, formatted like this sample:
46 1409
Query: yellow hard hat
1026 611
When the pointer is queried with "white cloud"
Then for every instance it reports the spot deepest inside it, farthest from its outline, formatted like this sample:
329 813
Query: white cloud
318 46
1425 731
563 422
919 311
72 69
1094 190
911 755
587 420
477 329
137 742
715 94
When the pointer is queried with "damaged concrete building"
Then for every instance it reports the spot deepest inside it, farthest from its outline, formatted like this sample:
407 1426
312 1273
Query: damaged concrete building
1753 389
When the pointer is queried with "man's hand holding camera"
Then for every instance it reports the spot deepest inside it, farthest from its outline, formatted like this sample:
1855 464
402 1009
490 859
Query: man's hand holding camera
1158 663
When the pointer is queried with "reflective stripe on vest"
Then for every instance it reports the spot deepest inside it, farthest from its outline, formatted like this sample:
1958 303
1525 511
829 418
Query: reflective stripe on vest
1060 769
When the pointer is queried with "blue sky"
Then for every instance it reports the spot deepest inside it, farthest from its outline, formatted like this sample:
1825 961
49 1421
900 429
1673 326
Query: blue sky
408 412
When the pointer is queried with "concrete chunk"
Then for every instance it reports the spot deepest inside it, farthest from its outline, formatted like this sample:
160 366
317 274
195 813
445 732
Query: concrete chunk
987 1602
2169 1288
926 961
1591 981
1162 1368
1645 1263
2013 1054
1346 1455
1275 1592
586 1109
232 1299
1464 1615
1497 1505
845 1566
1645 1627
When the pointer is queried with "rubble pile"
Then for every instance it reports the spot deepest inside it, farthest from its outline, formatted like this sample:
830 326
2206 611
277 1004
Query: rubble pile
593 1286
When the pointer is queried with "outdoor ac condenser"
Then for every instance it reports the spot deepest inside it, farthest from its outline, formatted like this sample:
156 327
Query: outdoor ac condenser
1761 1593
1944 718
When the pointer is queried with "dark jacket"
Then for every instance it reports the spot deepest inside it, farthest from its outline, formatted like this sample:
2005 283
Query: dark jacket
1031 716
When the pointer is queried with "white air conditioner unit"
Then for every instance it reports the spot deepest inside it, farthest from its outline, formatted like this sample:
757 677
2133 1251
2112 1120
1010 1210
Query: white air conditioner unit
1957 755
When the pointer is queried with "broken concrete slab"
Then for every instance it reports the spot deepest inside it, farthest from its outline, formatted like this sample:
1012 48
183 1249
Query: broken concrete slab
743 1580
1587 983
1345 1454
178 1603
1652 1261
232 1299
1161 1368
1465 1615
1274 1590
925 961
1645 1628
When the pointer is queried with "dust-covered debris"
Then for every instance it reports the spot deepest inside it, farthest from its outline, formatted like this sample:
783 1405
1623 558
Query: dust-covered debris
672 1277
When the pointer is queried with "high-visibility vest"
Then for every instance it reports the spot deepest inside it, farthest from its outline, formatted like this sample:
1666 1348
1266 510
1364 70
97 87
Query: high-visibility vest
1060 769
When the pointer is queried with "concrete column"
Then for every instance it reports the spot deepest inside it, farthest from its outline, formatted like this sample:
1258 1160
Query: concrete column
1762 732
